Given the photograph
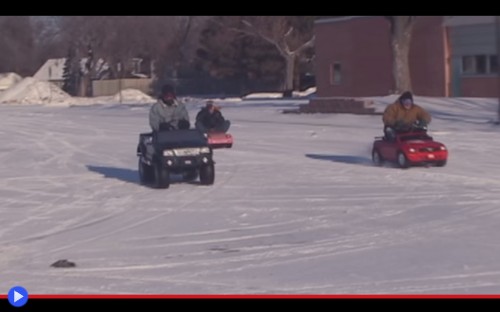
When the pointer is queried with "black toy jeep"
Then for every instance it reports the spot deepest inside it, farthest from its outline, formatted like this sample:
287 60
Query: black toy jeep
183 152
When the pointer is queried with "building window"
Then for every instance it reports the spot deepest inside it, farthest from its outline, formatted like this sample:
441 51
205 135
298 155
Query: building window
468 65
479 64
335 74
493 64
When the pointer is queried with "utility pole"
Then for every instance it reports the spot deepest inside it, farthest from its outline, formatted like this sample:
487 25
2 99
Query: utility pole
50 82
120 81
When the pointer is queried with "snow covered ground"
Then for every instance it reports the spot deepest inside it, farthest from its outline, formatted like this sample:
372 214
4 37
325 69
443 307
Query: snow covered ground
296 208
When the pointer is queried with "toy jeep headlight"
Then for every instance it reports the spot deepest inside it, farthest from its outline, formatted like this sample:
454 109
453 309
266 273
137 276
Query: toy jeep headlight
168 153
442 148
204 150
411 150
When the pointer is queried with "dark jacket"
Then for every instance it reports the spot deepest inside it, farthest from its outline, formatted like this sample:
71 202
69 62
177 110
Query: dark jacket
209 120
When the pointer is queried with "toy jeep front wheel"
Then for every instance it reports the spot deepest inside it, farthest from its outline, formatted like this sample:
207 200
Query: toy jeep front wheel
146 174
207 174
161 175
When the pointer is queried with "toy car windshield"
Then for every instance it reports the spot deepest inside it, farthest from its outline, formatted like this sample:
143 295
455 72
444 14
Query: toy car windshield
420 136
184 137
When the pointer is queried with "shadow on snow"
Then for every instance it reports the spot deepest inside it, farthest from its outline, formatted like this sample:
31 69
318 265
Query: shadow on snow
347 159
122 174
132 176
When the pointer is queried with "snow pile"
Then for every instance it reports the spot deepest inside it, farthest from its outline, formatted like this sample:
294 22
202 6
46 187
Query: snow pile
33 91
7 80
133 96
278 95
269 95
309 92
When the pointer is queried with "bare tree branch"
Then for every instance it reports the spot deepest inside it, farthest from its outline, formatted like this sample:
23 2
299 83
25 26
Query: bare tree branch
279 32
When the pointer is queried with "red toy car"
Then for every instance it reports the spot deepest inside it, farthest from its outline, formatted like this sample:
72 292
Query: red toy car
414 147
220 140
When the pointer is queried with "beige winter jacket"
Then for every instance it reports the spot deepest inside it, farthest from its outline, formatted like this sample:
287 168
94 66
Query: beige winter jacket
397 114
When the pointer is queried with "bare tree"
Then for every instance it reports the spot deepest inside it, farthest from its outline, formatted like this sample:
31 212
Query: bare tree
218 49
16 45
47 39
401 34
182 48
162 40
278 31
117 39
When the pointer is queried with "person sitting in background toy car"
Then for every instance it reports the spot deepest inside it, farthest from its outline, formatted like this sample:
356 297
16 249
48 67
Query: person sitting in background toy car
168 113
404 114
209 118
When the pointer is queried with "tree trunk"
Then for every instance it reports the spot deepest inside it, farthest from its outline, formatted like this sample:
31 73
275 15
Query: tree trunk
401 27
289 74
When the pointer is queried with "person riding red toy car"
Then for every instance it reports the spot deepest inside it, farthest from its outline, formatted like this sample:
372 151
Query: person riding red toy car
209 120
405 138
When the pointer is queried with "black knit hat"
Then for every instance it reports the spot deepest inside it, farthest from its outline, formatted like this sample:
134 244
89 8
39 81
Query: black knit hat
167 89
406 95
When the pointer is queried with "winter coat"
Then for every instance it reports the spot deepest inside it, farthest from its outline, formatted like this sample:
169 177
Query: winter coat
395 114
209 120
162 113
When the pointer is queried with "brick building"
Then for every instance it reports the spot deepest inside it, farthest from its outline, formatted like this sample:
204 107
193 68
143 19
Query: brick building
449 56
473 44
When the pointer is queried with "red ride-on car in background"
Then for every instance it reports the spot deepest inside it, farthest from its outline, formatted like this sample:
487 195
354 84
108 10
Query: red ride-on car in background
219 139
409 148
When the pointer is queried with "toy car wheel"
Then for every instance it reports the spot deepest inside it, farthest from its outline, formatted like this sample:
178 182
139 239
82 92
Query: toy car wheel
441 163
402 160
207 174
376 158
146 174
161 175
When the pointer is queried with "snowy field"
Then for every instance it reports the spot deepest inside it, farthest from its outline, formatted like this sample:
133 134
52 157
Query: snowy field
296 208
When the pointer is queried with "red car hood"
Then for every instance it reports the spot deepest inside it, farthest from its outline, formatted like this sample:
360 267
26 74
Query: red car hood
418 144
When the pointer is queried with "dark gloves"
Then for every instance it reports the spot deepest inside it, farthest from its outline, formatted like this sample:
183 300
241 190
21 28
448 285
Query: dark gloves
166 126
183 124
421 123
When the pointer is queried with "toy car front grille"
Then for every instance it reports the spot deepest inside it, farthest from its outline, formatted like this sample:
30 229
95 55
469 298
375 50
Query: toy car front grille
428 149
187 151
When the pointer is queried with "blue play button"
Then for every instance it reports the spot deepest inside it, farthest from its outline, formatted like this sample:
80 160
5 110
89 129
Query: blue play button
18 296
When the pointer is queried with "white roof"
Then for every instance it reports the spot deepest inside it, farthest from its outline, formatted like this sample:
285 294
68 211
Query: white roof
52 70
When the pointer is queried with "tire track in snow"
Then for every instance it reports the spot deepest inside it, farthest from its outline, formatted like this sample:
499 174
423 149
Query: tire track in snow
143 221
279 253
296 238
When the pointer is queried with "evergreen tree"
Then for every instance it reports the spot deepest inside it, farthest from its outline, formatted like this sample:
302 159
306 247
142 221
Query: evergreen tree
238 62
70 73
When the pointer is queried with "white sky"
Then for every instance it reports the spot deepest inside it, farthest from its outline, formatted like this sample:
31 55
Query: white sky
296 208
